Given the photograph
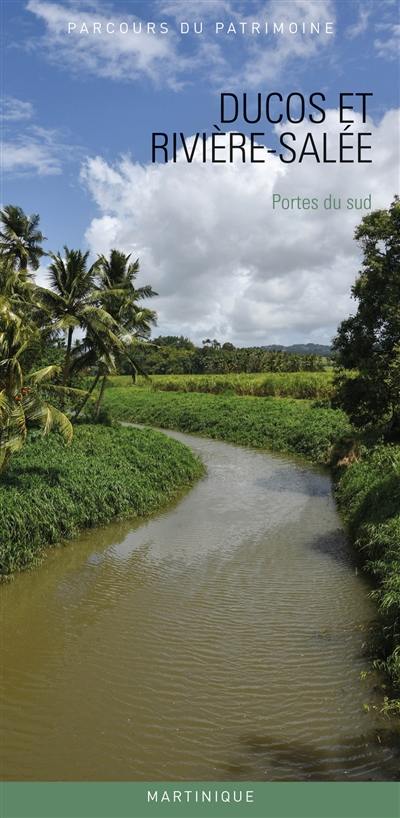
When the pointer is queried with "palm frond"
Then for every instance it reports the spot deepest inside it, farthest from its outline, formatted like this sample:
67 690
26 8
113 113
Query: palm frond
62 423
44 374
73 391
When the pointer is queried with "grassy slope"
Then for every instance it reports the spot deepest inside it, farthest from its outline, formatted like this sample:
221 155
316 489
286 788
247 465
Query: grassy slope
280 424
368 491
51 491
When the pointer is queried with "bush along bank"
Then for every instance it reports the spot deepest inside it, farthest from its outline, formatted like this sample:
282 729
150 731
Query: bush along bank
368 489
368 494
51 491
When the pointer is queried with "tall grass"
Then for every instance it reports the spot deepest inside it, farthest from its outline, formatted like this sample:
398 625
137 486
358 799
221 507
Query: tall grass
303 385
51 491
280 424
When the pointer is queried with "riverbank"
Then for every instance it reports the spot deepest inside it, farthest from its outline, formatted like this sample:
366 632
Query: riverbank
368 494
368 491
278 424
51 491
221 639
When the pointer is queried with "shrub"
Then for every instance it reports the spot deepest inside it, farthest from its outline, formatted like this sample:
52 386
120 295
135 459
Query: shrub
369 496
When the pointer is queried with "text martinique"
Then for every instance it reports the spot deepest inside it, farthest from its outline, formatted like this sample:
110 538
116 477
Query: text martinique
200 796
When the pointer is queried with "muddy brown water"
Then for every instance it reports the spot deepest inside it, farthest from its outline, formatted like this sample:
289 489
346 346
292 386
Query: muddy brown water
222 639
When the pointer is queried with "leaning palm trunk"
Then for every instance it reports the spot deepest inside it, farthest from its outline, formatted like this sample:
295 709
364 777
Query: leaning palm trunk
67 360
87 396
101 394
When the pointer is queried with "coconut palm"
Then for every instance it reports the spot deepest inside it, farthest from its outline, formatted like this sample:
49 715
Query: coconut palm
117 293
116 279
93 352
20 237
21 397
16 285
71 303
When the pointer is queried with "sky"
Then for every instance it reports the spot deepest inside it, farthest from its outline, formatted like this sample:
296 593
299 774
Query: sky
79 110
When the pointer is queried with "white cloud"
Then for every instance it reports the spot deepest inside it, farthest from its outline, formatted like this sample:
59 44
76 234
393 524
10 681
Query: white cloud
190 9
27 156
117 56
224 263
41 275
361 24
267 61
36 150
28 148
388 46
15 110
174 60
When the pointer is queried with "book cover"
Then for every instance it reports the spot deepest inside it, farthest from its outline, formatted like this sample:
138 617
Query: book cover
200 409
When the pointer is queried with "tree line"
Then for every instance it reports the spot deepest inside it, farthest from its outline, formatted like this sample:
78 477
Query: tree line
177 355
91 318
369 340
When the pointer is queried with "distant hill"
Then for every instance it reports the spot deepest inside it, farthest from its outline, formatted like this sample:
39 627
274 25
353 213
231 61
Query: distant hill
302 349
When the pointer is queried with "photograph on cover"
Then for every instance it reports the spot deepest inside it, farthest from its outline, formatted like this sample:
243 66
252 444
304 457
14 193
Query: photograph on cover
200 392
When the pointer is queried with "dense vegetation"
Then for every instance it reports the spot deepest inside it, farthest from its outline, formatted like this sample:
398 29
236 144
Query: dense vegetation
50 491
280 424
369 492
60 346
308 385
178 355
101 300
369 496
369 341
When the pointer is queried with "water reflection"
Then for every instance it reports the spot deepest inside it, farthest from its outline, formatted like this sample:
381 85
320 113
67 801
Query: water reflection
221 639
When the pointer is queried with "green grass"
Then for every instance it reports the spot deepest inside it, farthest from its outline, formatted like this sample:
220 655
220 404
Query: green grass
303 385
52 491
369 495
282 424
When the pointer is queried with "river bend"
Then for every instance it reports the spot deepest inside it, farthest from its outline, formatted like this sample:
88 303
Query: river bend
222 639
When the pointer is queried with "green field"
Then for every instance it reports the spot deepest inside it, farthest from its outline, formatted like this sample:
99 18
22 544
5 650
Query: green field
303 385
51 491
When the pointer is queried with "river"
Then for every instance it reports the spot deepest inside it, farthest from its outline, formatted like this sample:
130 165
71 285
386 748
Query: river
222 639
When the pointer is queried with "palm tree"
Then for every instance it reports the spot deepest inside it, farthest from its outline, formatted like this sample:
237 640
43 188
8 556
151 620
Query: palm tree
95 352
71 302
117 293
21 398
16 285
20 237
116 279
